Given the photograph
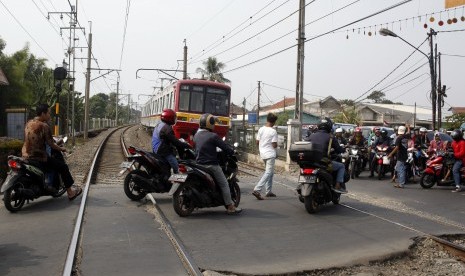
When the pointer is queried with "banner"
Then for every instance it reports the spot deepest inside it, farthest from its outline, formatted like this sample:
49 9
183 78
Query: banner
454 3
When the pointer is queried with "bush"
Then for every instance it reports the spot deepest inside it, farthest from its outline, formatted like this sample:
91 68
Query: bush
8 146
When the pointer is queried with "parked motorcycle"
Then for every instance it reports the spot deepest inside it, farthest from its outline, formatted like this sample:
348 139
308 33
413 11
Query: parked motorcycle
195 187
315 180
381 161
437 168
26 181
148 173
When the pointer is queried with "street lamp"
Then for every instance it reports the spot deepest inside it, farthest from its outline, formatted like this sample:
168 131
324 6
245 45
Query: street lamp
386 32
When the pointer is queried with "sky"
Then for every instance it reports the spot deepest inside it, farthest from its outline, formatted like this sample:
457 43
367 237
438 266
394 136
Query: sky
255 40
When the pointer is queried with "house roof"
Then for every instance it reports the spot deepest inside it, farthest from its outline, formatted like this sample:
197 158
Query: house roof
281 104
235 109
3 79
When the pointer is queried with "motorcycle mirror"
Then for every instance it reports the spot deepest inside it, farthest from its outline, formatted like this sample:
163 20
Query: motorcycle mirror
182 140
65 139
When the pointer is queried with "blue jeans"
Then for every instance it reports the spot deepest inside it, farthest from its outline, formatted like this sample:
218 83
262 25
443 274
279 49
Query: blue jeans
173 162
267 178
456 172
401 172
340 169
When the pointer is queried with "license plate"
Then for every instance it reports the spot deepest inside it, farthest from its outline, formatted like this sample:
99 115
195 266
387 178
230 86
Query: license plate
307 178
178 178
126 164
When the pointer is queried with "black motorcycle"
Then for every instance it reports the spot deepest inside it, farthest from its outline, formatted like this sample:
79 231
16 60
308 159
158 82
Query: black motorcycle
27 181
195 186
315 179
148 173
356 160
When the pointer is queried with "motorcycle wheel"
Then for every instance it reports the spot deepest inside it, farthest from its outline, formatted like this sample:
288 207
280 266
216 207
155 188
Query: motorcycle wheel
380 172
235 193
60 192
310 202
13 202
130 186
427 181
182 204
352 169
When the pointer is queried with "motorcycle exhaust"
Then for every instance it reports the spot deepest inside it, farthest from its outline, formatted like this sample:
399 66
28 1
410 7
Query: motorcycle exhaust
143 182
26 193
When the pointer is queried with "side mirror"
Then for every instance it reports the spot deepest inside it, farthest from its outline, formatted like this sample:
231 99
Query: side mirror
65 139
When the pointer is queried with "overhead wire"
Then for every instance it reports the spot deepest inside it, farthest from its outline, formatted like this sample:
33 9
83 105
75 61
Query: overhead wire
27 32
291 32
404 83
290 90
318 36
411 89
128 6
452 55
233 35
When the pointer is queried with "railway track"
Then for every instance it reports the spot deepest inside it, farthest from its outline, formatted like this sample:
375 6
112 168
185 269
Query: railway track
457 250
103 170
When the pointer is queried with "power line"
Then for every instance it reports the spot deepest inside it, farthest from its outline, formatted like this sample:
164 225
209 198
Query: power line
390 73
452 55
318 36
411 88
128 6
35 41
291 32
404 83
226 39
290 90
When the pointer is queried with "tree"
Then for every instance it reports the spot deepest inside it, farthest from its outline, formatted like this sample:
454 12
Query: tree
454 121
212 70
348 102
349 116
283 117
98 105
376 96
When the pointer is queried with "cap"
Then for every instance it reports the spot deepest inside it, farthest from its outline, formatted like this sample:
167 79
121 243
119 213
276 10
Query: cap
401 130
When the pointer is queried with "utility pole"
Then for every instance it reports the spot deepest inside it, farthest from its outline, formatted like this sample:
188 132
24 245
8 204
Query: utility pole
258 104
300 65
243 114
86 106
117 99
441 93
129 107
184 76
433 76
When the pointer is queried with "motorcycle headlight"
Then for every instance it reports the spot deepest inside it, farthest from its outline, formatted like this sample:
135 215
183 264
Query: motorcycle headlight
354 152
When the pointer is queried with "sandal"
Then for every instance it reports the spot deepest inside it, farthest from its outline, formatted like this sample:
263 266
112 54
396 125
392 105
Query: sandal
235 211
77 192
398 186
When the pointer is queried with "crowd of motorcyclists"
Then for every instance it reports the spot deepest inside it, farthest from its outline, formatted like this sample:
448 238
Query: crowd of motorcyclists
398 148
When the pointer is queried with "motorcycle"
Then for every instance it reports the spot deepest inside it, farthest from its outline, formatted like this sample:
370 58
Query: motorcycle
411 168
148 173
381 161
356 160
439 170
195 187
26 181
315 180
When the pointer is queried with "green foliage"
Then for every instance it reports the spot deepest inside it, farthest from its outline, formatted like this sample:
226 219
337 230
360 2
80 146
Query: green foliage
348 102
212 70
348 115
283 117
454 121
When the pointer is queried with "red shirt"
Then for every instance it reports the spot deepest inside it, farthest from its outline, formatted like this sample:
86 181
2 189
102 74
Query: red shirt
459 150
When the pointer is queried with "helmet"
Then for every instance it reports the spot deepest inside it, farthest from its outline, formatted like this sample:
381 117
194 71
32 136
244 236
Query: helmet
168 116
325 124
351 130
339 130
456 135
358 130
436 134
207 121
423 129
376 129
401 130
384 133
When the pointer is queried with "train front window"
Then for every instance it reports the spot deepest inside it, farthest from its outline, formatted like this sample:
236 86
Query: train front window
184 96
197 102
217 101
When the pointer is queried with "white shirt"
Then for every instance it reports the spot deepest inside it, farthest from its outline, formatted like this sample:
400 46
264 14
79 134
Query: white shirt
265 136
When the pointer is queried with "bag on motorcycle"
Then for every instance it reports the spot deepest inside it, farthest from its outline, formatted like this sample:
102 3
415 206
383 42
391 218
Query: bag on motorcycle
305 151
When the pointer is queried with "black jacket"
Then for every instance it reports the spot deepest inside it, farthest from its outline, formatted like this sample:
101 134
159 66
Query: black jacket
206 143
320 139
163 140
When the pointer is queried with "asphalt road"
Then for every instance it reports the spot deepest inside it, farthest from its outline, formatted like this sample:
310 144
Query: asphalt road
271 236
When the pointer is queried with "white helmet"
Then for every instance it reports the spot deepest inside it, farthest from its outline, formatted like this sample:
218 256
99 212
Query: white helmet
339 130
423 129
401 130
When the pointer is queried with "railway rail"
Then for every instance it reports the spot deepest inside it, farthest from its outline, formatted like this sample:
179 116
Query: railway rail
105 164
457 250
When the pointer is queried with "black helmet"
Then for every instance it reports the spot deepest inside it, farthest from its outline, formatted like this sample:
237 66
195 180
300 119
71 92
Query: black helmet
325 124
456 135
383 133
207 121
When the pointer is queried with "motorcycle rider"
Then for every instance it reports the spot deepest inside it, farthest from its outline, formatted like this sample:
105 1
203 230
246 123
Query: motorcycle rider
37 135
401 150
323 139
421 140
382 139
436 144
458 145
358 138
206 142
339 138
163 139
